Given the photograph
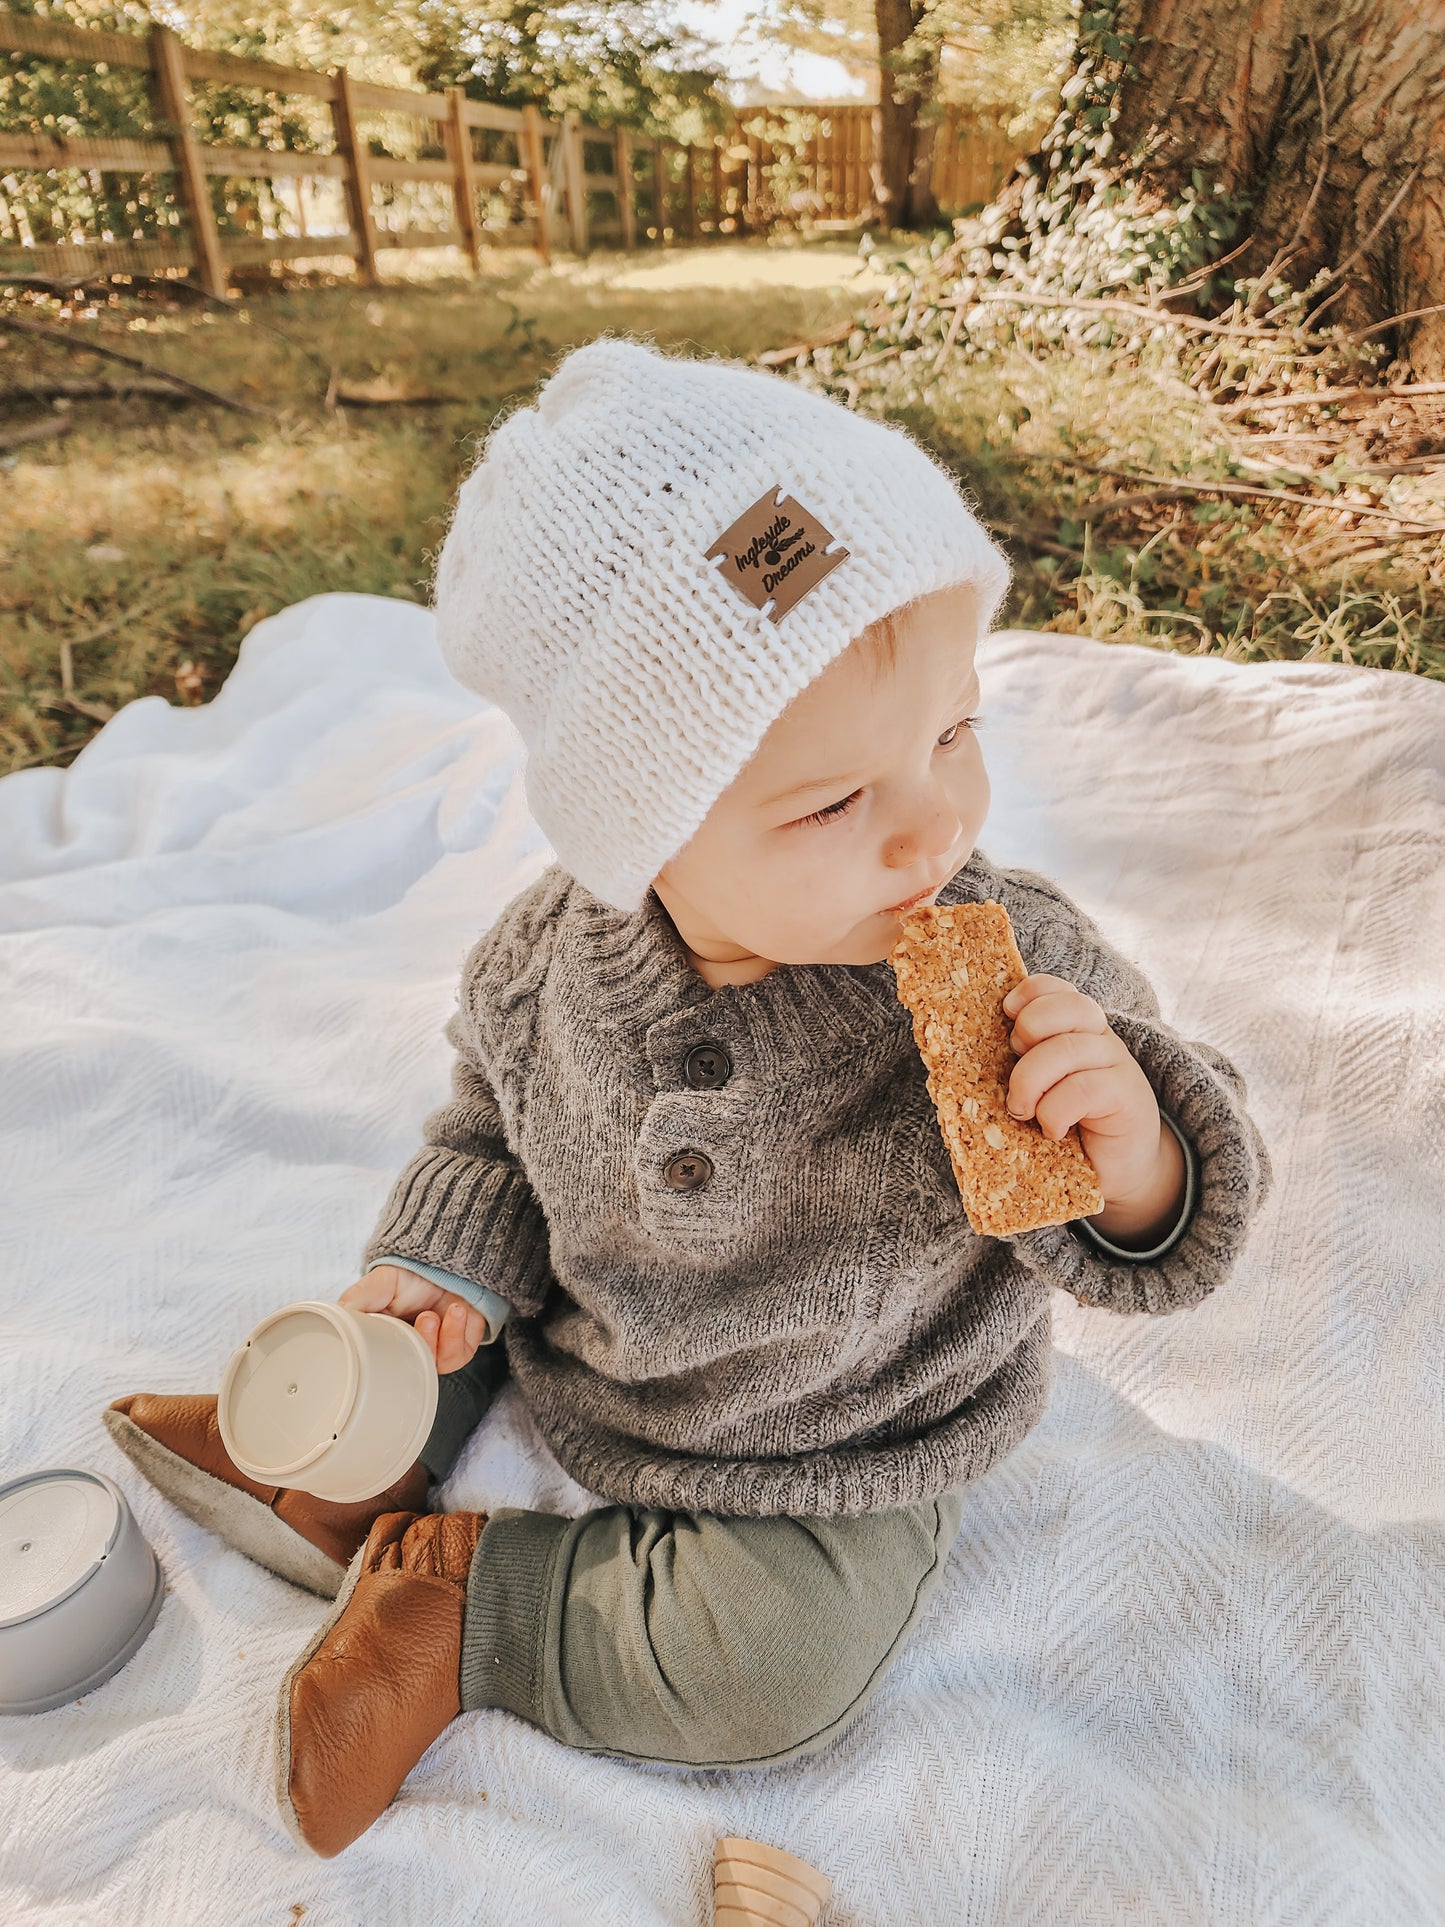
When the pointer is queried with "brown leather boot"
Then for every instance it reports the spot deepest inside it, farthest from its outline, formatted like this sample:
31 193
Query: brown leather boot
174 1440
380 1680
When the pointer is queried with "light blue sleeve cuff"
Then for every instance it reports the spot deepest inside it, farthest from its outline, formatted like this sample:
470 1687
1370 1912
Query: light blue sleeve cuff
1191 1188
493 1307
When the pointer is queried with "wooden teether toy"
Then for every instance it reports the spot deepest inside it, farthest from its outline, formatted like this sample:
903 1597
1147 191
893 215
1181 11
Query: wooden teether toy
758 1886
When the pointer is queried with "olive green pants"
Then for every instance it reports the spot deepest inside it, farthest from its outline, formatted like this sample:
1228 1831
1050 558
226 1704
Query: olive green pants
685 1637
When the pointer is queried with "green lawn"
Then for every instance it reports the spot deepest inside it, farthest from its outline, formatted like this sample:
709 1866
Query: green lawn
154 535
136 551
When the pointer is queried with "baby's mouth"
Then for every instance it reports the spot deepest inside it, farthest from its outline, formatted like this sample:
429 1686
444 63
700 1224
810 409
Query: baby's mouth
912 903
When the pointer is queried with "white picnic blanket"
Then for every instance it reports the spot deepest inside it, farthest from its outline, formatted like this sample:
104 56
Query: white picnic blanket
1188 1664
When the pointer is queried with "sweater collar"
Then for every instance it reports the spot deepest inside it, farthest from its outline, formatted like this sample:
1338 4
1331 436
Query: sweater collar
641 976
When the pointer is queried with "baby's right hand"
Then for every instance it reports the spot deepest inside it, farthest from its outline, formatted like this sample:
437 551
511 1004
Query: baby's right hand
451 1327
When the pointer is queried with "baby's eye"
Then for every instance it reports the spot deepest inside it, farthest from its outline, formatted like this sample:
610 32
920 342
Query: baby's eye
833 810
950 735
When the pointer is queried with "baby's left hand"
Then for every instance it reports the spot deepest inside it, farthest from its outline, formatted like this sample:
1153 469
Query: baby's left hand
1073 1069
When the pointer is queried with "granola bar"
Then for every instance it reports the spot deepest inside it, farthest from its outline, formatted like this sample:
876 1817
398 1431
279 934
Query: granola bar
955 964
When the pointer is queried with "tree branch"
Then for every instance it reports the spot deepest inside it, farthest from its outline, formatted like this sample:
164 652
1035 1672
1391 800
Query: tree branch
64 338
1244 491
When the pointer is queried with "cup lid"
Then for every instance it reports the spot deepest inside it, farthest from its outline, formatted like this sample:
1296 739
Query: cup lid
55 1528
288 1392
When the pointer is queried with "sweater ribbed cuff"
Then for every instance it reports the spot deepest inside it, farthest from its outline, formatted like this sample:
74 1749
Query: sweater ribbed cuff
470 1216
1181 1222
1233 1176
493 1307
509 1592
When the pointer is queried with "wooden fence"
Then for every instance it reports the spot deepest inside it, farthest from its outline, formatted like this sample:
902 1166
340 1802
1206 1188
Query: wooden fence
568 184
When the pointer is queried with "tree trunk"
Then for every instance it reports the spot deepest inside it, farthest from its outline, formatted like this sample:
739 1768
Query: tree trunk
1267 97
905 161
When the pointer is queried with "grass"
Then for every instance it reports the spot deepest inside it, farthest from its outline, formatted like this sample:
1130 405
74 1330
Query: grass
137 552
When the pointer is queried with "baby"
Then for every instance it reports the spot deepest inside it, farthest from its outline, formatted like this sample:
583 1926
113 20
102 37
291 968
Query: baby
689 1175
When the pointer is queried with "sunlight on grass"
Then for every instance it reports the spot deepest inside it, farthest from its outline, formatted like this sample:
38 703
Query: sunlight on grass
137 552
155 535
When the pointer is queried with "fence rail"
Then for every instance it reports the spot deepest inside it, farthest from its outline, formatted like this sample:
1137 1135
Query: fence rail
571 184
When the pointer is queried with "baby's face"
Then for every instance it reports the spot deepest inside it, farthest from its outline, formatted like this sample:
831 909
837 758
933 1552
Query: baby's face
867 794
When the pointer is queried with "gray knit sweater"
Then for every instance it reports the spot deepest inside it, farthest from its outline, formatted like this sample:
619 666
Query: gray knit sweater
741 1276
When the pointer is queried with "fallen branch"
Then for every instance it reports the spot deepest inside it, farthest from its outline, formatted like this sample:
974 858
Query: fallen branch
46 431
63 337
1410 314
1193 282
52 389
1338 274
46 283
868 361
1110 504
385 393
93 712
1033 538
1319 396
1245 491
776 357
1136 310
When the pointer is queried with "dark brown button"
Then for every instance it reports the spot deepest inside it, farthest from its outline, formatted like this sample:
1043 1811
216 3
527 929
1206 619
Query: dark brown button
706 1066
688 1171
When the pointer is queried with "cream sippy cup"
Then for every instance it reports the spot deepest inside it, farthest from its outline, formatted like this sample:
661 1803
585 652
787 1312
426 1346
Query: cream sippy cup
334 1402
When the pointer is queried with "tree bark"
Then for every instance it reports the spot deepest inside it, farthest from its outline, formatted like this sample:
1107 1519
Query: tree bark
1269 97
905 162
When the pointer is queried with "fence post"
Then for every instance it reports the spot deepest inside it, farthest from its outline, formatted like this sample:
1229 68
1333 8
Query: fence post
530 152
576 184
622 168
691 192
174 100
357 177
464 185
659 189
717 187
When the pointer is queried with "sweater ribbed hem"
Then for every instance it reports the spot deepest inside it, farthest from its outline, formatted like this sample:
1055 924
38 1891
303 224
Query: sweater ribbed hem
504 1629
875 1475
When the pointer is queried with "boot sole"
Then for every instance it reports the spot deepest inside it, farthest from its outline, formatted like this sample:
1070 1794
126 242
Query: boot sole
233 1515
283 1707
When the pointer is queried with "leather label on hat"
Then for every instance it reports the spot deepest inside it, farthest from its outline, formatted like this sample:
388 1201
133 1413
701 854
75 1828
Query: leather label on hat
775 552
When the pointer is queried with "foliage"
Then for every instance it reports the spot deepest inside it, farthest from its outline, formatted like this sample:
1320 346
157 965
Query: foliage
39 96
612 60
1045 414
1080 219
999 58
994 58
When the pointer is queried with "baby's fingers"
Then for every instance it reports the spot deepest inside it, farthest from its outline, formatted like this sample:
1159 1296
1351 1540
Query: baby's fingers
374 1292
1048 1065
1054 1012
454 1336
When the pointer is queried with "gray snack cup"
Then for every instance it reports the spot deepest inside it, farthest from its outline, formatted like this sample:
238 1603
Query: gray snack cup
79 1587
330 1401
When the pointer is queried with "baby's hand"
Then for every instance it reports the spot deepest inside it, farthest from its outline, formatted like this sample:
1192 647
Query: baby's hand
451 1327
1073 1069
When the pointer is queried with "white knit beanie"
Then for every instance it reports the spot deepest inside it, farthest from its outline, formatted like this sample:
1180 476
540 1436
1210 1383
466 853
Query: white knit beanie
576 591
